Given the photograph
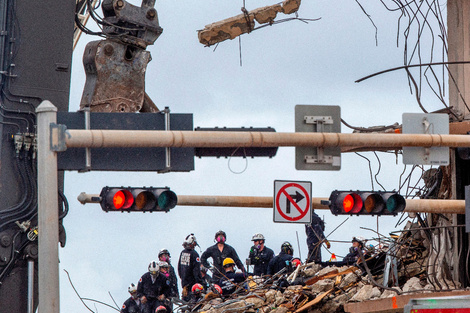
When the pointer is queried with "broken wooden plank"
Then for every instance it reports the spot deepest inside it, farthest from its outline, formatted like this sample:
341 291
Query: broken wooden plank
314 301
331 274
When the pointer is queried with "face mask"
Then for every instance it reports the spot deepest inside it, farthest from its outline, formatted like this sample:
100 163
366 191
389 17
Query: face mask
258 246
221 239
167 274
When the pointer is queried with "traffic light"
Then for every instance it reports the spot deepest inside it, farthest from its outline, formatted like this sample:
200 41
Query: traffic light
137 199
366 203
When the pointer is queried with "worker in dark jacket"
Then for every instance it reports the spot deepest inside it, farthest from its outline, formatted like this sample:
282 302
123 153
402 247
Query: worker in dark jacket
219 252
189 266
133 304
231 280
153 289
260 255
353 256
315 237
164 256
206 278
282 260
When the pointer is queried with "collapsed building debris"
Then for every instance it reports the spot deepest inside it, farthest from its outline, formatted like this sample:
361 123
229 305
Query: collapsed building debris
406 264
233 27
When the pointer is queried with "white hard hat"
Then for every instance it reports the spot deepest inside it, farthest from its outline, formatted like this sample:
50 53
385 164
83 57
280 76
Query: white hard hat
132 288
153 267
257 237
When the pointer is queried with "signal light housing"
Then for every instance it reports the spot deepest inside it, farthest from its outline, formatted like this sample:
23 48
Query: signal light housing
366 203
137 199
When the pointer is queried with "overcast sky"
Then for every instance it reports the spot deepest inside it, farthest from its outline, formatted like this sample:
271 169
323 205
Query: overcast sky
283 65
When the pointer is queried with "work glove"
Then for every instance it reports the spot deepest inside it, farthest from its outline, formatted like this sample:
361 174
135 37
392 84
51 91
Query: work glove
327 243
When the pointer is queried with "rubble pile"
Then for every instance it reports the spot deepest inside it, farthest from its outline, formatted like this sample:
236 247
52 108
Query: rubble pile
403 261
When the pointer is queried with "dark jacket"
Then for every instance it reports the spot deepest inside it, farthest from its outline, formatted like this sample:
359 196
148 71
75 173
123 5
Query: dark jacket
260 260
279 262
131 306
173 282
207 281
153 289
189 268
315 236
219 257
229 283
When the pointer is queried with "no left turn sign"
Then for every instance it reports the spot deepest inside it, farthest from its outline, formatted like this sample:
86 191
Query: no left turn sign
292 201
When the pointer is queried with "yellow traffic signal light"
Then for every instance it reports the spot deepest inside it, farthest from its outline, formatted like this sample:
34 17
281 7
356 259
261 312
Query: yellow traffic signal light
137 199
366 202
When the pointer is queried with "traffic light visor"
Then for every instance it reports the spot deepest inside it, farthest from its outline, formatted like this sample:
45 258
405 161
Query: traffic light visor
122 199
145 201
167 200
352 203
395 203
374 203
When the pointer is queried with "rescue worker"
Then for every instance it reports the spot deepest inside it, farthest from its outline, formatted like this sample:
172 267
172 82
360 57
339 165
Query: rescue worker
206 279
196 294
282 260
219 252
315 237
260 255
164 255
189 266
230 281
153 289
133 304
353 255
165 274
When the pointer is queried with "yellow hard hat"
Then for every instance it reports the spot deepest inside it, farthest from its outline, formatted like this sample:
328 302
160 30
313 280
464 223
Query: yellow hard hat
228 261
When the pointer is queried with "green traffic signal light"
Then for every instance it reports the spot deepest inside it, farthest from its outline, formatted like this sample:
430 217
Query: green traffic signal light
137 199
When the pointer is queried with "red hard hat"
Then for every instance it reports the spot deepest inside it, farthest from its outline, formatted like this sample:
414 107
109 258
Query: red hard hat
217 287
296 262
160 308
197 288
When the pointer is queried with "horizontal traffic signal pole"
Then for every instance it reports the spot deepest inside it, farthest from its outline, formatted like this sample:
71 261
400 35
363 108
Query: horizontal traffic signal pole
75 138
412 205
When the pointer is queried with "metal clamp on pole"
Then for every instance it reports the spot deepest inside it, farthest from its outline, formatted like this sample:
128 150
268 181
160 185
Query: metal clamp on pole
86 111
320 121
167 168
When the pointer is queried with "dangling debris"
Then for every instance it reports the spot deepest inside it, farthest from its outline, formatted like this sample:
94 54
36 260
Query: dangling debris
233 27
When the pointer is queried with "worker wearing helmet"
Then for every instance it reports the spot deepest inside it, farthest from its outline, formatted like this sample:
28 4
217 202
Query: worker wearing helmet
231 280
353 255
219 252
282 260
133 304
260 255
164 255
206 278
315 237
189 266
153 289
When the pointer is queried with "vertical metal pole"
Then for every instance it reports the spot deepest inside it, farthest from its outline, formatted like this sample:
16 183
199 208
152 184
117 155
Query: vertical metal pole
30 286
48 212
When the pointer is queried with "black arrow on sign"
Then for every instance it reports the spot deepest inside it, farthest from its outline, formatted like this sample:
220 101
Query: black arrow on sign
297 197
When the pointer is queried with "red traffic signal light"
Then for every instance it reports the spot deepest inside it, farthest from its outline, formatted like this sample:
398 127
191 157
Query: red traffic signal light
366 202
137 199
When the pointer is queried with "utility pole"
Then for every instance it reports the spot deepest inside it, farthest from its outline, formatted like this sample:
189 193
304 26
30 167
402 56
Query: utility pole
458 31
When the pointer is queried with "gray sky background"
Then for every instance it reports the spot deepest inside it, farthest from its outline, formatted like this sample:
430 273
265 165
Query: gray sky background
283 65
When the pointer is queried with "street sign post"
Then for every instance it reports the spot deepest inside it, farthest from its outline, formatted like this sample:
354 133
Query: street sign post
292 201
